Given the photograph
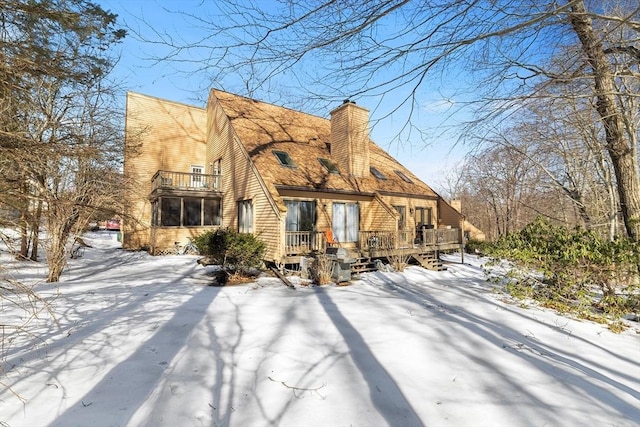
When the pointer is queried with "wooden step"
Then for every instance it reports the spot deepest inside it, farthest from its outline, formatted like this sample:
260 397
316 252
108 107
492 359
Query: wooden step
429 261
363 265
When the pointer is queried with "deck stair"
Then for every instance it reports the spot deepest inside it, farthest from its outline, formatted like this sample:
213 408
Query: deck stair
363 265
430 261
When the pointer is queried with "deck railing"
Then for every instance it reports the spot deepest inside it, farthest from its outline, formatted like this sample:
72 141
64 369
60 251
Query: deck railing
300 242
385 239
440 236
185 181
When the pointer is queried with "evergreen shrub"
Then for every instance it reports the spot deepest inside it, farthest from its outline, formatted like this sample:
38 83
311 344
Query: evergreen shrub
571 270
235 252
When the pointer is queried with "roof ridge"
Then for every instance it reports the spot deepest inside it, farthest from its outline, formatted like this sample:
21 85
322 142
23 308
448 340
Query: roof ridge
269 103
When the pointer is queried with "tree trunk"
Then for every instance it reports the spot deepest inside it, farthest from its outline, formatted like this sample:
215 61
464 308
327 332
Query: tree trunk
56 257
35 232
24 236
618 147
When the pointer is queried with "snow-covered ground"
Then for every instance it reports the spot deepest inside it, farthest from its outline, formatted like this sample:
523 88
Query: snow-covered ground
143 341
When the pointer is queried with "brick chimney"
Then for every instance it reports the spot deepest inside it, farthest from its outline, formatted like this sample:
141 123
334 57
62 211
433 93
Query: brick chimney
350 139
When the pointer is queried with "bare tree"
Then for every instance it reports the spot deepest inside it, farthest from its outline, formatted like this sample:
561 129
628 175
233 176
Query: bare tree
395 49
505 189
60 143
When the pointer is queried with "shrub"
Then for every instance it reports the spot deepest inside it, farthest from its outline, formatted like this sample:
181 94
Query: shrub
570 269
234 252
474 246
321 269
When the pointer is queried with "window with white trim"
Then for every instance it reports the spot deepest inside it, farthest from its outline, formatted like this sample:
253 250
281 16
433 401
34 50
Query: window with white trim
345 222
245 216
301 215
197 180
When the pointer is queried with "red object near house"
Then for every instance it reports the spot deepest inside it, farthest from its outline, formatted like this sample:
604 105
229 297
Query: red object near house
113 224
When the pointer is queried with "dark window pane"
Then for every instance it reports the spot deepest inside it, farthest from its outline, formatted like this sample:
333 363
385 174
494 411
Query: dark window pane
307 216
170 212
212 212
404 177
377 173
329 165
284 158
192 212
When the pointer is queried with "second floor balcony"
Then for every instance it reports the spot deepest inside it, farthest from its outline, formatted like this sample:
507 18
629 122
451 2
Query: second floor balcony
170 181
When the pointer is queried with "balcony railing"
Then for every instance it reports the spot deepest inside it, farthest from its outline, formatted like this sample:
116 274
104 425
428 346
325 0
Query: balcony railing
167 180
301 242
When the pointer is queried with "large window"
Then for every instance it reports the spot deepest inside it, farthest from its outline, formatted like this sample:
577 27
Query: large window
186 211
212 212
423 217
245 216
346 217
170 208
301 215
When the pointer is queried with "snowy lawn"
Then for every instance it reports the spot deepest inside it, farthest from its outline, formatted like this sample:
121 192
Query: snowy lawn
143 341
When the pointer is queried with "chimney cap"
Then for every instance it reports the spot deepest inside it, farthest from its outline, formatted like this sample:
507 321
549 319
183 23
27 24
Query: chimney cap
348 101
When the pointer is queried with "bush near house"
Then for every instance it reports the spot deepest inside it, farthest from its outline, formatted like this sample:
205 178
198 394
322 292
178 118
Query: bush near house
573 270
474 246
236 253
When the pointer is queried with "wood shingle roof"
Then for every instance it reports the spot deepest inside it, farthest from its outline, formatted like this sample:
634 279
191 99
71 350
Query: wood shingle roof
264 128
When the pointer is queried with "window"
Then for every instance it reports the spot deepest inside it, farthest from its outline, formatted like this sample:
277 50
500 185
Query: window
192 212
170 211
186 212
301 215
346 217
423 217
403 216
375 172
329 165
196 176
285 159
212 212
404 177
217 173
245 216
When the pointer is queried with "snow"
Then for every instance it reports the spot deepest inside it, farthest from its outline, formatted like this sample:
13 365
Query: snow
143 341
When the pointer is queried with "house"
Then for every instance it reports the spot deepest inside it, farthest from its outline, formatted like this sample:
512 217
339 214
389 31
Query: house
303 183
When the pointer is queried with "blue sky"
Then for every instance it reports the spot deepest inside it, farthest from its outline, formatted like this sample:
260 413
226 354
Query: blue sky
181 81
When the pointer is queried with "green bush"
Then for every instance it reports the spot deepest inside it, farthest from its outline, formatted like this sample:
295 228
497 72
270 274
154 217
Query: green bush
474 246
234 252
571 269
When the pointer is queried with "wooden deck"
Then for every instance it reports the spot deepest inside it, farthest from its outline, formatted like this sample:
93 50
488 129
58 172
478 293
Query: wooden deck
423 245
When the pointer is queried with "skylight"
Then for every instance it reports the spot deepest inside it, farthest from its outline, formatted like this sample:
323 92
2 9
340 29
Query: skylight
375 172
404 177
329 165
284 158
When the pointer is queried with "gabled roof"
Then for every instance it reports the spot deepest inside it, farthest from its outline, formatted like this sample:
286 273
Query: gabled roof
263 128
